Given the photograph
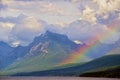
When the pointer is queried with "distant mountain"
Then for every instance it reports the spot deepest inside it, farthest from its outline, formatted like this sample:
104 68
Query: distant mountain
114 51
5 49
105 62
46 51
100 49
43 42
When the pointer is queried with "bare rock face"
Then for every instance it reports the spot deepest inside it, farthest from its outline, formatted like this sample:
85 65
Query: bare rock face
39 48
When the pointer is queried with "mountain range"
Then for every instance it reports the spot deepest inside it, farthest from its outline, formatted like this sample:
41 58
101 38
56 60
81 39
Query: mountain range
48 50
46 45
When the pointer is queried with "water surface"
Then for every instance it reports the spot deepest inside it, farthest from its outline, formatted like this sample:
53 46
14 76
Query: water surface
55 78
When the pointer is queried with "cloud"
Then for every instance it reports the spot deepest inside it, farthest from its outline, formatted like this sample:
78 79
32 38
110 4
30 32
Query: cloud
89 15
2 6
111 39
84 31
5 29
107 18
48 7
12 19
53 12
106 6
26 28
25 7
74 18
24 31
113 31
20 30
95 10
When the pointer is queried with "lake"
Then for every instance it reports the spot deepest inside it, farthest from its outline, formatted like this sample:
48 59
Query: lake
55 78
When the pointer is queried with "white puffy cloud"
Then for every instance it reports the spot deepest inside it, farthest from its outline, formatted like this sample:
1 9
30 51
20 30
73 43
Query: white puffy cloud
103 9
26 30
106 6
5 29
89 15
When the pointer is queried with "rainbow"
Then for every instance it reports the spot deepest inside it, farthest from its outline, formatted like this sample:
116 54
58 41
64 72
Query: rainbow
82 51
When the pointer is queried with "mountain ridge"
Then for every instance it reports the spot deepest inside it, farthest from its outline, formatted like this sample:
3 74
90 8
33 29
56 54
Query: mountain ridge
48 44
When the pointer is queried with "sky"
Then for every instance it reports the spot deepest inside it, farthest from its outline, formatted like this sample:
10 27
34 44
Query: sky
22 20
